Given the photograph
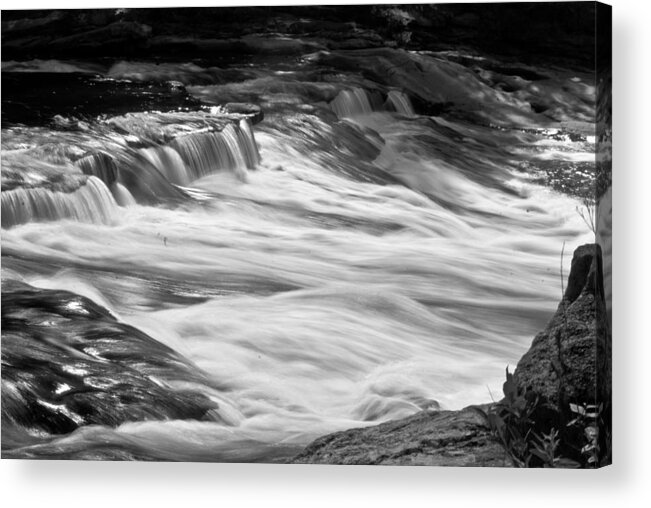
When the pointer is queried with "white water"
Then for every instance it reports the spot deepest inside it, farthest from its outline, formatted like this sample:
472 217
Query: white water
314 300
400 102
351 103
91 202
232 148
122 195
357 101
169 163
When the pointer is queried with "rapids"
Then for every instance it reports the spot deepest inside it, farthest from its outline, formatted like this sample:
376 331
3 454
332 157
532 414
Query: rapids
346 261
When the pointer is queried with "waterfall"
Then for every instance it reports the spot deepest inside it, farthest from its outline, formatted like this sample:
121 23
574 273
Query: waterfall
358 101
351 103
149 175
247 142
122 195
100 165
91 202
400 102
233 148
168 161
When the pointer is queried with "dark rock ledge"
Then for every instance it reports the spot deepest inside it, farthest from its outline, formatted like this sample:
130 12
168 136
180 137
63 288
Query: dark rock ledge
462 438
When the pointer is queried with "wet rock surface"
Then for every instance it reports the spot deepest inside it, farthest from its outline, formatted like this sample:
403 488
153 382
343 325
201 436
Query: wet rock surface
67 362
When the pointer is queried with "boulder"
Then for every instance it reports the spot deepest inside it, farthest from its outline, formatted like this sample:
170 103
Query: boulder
569 362
67 363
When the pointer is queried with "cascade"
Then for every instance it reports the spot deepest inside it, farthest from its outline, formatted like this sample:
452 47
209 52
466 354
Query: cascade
168 161
90 202
232 148
399 101
352 103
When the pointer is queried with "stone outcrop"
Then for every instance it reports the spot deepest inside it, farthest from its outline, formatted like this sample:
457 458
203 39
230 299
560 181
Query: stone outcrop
441 438
569 360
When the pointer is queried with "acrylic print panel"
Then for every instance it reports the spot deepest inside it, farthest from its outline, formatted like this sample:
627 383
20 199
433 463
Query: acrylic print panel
318 234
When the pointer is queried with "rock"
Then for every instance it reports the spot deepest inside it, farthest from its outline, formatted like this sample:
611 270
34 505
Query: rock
176 87
67 362
580 327
116 38
432 84
253 112
54 20
352 43
441 438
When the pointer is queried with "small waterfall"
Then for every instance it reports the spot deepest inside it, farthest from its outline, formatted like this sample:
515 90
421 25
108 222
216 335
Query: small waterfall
100 165
352 103
150 175
247 142
122 195
145 180
358 101
233 148
91 202
400 102
168 161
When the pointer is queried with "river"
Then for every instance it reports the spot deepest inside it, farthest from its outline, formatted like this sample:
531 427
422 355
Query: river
352 258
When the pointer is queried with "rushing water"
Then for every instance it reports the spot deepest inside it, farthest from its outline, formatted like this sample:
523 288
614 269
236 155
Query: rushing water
343 262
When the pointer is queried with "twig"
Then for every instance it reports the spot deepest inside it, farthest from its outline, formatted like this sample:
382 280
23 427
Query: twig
562 278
